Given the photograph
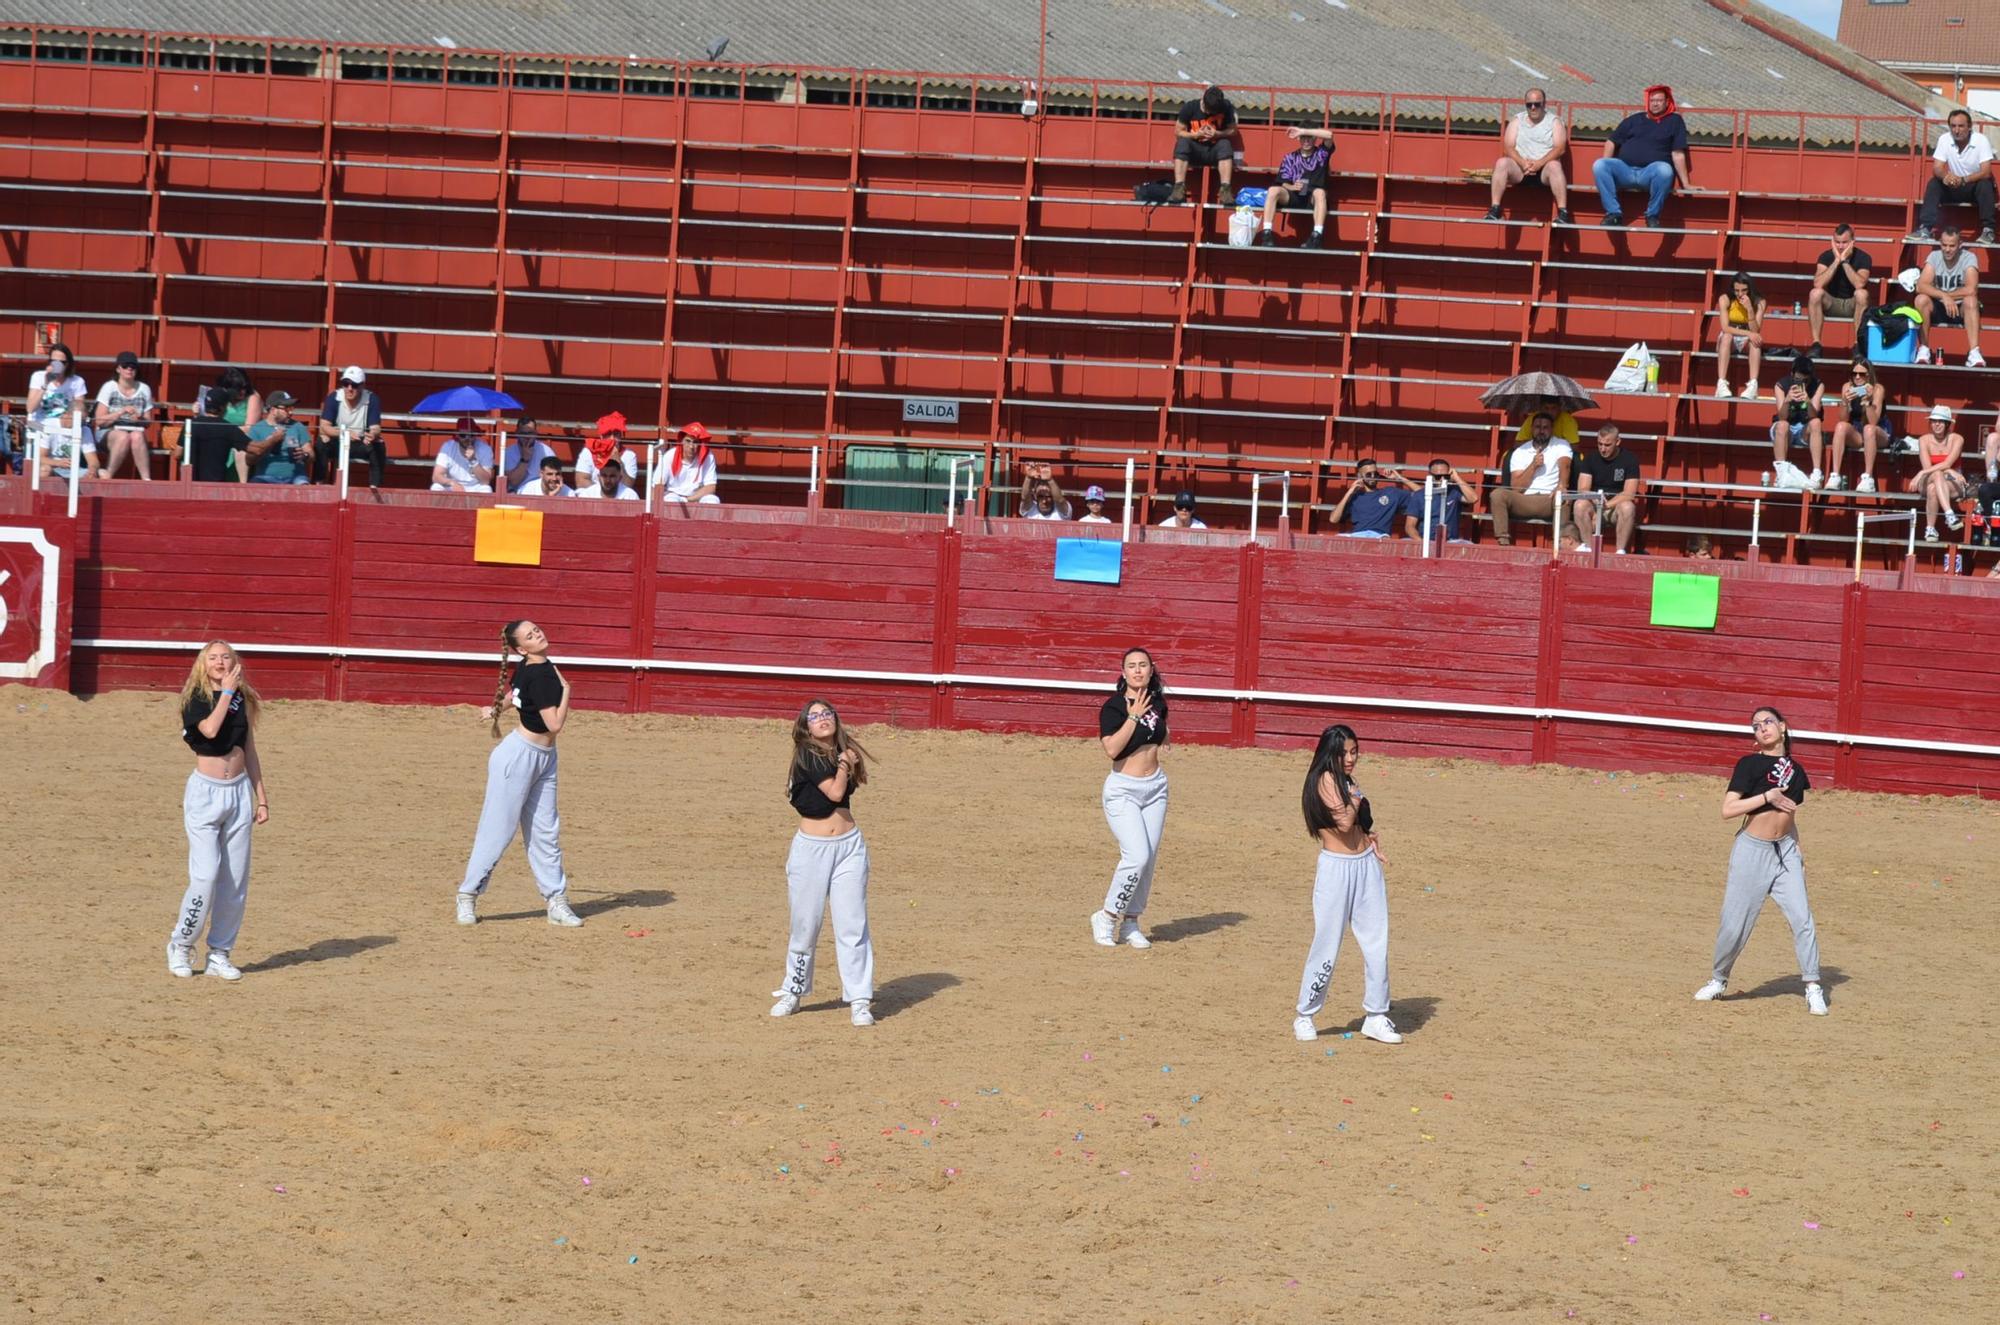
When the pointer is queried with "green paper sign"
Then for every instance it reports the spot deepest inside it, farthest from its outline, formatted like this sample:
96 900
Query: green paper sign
1687 601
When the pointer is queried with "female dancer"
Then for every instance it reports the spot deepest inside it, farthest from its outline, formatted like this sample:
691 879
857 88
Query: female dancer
828 863
1348 889
1765 791
521 777
224 797
1133 727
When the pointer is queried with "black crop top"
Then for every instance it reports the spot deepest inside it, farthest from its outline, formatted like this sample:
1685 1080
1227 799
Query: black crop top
1152 729
535 687
805 795
233 732
1759 773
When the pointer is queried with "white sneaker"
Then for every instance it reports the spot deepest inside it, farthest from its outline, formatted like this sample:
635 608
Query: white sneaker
1103 929
1750 389
786 1005
1722 388
560 914
1923 354
1816 1000
1951 520
1303 1029
1377 1026
468 908
180 961
1815 480
862 1015
1867 483
1974 359
1835 483
1930 533
218 965
1709 992
1129 932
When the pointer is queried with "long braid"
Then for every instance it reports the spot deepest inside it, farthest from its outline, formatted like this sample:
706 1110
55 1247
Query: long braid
500 684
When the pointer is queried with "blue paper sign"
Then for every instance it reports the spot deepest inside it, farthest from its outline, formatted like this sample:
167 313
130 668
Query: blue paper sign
1091 560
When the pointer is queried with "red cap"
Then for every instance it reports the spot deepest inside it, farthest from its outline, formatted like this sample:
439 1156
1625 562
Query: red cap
694 430
611 423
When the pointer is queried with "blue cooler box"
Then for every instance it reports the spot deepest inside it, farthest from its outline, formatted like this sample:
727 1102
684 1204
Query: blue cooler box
1905 350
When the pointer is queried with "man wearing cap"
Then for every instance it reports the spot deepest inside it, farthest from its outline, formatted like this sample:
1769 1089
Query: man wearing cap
688 471
280 449
606 442
124 407
1093 506
1183 516
354 409
1938 479
464 463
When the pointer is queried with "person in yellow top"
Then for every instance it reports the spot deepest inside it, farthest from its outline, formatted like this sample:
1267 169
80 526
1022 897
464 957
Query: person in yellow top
1739 325
1565 422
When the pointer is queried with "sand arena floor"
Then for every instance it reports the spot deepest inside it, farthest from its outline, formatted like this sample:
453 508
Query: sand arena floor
393 1118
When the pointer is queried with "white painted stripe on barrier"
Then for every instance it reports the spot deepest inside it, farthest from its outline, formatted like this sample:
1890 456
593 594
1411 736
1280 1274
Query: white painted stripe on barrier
1054 683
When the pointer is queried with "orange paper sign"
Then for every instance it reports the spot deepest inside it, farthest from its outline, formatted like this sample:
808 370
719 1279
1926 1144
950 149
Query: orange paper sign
508 535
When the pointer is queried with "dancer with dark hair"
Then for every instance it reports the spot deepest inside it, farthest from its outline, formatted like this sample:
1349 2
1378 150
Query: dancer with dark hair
1765 791
224 798
828 865
1348 890
1132 724
521 777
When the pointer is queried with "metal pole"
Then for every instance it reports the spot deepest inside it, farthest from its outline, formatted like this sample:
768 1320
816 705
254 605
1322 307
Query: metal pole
1285 500
1125 535
1910 550
1429 479
34 452
346 444
1756 519
75 458
1860 527
1256 483
812 476
1557 542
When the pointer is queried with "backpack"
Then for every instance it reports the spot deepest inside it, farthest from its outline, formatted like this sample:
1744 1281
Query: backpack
1154 192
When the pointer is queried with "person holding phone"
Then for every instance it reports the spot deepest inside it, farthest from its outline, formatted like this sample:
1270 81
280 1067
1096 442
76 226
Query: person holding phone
54 410
224 798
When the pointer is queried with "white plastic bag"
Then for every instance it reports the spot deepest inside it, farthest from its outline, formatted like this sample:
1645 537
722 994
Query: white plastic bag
1630 374
1790 477
1242 228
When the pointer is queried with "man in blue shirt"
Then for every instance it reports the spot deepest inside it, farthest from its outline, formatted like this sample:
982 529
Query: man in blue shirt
1373 504
1450 494
1648 150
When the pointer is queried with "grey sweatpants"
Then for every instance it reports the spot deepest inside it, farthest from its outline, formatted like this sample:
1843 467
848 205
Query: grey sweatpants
1136 809
520 793
1348 892
1760 869
823 872
218 813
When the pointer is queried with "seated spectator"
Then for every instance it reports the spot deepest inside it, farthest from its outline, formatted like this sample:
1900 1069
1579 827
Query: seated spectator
1861 424
55 417
1948 294
1041 496
1450 496
1648 150
1183 516
1370 503
244 404
10 449
1205 135
1302 174
1537 470
1614 471
1565 426
1991 453
280 450
606 442
610 482
1701 547
550 484
1739 326
1531 149
465 461
355 410
525 453
1961 172
1797 421
1937 478
124 408
688 470
215 446
1093 506
1839 288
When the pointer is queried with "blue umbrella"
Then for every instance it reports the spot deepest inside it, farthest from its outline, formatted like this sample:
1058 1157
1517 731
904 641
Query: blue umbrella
466 400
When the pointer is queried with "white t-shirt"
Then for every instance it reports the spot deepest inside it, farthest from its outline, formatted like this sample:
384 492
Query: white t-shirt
1060 511
625 491
586 466
56 401
1544 483
1093 519
689 480
1171 521
534 488
536 451
1978 151
452 457
141 400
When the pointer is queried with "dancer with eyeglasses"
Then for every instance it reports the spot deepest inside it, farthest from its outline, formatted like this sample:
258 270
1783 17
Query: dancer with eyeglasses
828 865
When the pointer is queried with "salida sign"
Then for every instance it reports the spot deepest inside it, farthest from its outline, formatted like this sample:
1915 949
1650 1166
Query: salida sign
929 409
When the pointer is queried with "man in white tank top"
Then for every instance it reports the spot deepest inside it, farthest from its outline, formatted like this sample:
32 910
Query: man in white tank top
1533 144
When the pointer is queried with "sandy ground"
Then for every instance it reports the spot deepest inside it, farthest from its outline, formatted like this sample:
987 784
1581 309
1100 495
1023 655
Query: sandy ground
392 1117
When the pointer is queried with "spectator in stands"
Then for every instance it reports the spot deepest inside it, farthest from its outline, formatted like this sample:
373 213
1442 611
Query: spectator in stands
525 453
1205 135
1861 425
1948 294
10 453
1537 470
606 442
1370 503
55 416
550 484
354 409
1797 421
1531 148
1937 478
1183 516
1839 288
1961 172
1301 174
1093 506
1739 325
1565 430
1613 471
610 482
216 446
1450 496
465 461
124 408
688 470
1991 453
1041 496
1648 150
280 450
245 403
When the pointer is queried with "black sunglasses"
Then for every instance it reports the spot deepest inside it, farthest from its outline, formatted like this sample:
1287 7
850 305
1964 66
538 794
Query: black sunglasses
1536 105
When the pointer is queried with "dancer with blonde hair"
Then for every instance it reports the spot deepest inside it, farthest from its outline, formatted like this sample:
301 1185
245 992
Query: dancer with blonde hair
224 798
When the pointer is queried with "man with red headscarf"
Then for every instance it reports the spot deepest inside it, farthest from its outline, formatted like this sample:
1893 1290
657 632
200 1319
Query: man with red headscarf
1648 150
688 471
607 442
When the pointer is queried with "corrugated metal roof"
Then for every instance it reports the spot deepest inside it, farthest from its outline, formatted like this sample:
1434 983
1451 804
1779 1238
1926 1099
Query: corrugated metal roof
1940 32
